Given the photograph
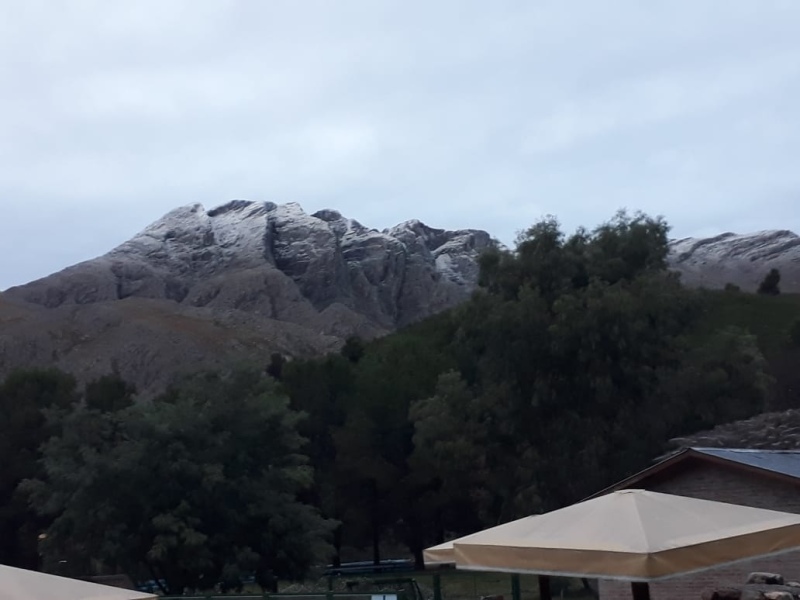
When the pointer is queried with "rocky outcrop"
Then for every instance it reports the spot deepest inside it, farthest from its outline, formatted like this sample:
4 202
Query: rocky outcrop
768 431
743 260
245 279
759 586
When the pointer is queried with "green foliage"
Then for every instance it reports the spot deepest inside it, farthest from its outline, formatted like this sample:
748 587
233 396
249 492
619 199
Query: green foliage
275 366
198 487
722 379
109 393
375 441
544 259
770 285
452 454
318 389
353 349
570 346
25 396
768 318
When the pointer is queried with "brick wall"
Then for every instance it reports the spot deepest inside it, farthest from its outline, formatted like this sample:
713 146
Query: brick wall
722 484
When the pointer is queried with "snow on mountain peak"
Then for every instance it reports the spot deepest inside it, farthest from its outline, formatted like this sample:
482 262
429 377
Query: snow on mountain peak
741 259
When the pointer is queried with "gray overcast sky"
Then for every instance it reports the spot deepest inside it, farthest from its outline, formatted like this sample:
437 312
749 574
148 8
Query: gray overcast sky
461 113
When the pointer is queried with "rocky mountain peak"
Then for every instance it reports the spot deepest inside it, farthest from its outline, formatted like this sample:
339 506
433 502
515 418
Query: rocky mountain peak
194 256
200 287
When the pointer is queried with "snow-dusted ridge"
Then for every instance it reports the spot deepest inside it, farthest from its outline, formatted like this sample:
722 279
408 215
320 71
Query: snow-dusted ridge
236 256
741 259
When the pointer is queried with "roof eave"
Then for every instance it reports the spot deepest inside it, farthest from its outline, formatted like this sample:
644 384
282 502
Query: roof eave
692 453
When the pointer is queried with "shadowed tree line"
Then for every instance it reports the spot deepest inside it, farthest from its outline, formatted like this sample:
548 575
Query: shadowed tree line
575 361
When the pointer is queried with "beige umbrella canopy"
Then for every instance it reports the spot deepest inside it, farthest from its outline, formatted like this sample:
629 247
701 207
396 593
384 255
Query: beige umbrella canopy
444 554
21 584
634 535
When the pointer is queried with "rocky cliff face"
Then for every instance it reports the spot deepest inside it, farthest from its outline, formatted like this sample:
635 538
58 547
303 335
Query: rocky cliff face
767 431
248 277
743 260
278 262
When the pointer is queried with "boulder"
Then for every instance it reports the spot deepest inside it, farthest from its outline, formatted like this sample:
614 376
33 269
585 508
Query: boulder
765 578
722 594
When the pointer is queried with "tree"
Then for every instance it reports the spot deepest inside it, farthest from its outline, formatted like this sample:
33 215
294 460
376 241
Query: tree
275 366
197 488
770 285
109 393
374 444
722 378
366 482
572 350
25 396
451 458
569 337
353 349
318 388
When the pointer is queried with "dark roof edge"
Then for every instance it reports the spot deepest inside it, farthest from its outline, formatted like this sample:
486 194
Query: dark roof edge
676 457
696 453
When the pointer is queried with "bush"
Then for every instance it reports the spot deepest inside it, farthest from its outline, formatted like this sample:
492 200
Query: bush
770 286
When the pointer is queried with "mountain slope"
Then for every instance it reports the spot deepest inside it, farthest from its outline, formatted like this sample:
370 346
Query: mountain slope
149 342
743 260
244 279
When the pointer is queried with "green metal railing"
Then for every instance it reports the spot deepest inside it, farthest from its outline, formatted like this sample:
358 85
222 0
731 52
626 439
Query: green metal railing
330 595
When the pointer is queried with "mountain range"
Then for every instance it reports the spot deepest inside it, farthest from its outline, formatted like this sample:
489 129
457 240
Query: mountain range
200 287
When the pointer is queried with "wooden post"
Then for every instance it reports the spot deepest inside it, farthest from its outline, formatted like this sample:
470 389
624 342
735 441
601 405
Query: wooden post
515 590
641 590
544 588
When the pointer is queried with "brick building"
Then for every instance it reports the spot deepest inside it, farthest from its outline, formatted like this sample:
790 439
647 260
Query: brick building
758 478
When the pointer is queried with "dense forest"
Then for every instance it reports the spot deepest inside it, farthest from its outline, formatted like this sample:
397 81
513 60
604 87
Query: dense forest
574 363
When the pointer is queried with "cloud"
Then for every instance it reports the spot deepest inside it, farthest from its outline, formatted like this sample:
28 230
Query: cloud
459 113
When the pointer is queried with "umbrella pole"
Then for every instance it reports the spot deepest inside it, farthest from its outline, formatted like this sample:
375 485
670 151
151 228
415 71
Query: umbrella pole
516 594
641 590
544 588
